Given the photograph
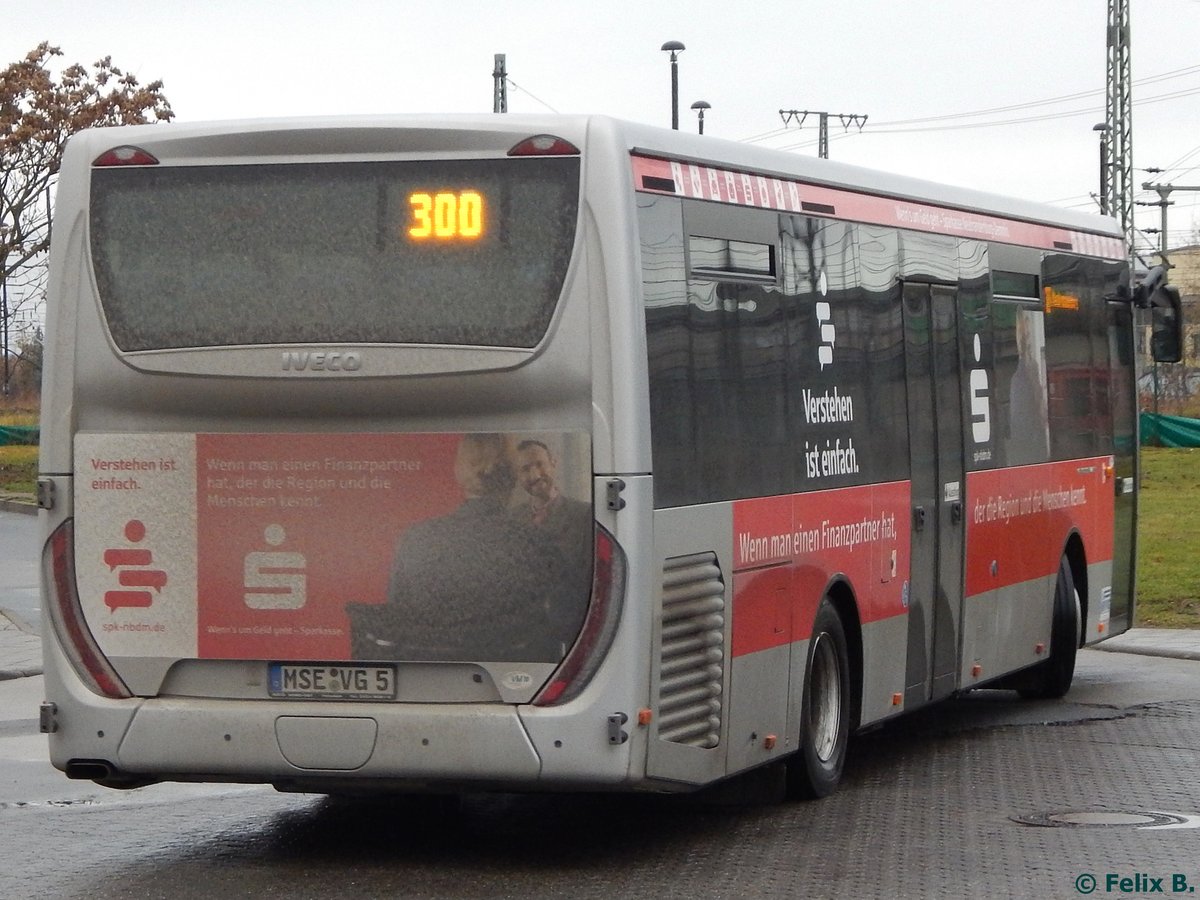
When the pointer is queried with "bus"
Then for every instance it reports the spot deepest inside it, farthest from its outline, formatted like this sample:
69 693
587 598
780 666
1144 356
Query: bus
468 453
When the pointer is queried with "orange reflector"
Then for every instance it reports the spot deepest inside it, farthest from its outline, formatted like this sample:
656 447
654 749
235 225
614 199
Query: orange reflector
976 670
1040 648
1100 627
769 742
897 699
644 717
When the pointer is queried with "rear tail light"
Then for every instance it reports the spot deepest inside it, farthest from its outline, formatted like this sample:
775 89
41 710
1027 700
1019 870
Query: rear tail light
544 145
599 627
125 156
67 616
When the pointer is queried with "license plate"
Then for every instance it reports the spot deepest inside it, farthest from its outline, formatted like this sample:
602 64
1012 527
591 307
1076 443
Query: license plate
326 681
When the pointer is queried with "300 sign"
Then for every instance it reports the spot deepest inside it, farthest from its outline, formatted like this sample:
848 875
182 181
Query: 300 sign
446 215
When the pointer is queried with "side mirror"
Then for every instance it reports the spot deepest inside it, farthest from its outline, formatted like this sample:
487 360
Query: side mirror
1143 294
1166 315
1166 328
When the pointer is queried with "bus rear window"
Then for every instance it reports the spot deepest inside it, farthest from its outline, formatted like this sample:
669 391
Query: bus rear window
466 252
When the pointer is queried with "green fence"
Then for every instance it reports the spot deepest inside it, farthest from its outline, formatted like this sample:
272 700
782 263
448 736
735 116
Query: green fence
18 434
1169 431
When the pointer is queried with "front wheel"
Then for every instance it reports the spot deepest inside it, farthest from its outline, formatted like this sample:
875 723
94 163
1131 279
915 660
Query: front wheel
1052 679
816 767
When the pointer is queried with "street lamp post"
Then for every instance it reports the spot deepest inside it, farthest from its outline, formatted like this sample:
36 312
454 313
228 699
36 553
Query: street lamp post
700 106
674 48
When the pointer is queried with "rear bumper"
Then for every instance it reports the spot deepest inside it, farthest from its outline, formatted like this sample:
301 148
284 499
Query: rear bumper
266 741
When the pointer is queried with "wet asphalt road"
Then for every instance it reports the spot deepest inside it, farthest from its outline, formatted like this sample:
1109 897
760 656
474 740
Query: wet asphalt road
928 808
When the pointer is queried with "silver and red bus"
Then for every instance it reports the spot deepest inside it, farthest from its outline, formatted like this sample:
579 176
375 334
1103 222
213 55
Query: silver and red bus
561 453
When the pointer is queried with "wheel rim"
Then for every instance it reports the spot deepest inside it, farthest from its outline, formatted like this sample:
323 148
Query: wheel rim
825 698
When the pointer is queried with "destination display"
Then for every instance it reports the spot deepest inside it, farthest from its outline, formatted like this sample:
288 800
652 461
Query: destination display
446 215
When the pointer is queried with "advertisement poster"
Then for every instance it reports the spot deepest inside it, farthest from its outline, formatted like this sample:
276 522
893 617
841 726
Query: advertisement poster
1026 510
789 547
273 546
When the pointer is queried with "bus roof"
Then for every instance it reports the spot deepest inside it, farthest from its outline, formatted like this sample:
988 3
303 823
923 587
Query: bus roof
286 137
830 173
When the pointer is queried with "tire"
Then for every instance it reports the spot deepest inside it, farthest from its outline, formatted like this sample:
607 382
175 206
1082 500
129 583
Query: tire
1052 679
816 767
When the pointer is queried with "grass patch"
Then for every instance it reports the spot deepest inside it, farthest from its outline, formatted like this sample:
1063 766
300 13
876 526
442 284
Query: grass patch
18 469
18 463
18 417
1168 533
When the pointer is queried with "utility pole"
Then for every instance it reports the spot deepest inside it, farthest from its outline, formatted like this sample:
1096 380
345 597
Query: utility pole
799 115
500 85
1164 191
1118 133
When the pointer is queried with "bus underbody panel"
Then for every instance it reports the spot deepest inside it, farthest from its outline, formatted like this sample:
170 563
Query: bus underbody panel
266 742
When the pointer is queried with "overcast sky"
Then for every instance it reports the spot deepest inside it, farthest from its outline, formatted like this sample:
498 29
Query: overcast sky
896 61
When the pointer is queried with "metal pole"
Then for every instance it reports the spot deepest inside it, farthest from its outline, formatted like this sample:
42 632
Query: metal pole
499 85
674 92
1103 174
1162 236
1162 243
1119 119
674 48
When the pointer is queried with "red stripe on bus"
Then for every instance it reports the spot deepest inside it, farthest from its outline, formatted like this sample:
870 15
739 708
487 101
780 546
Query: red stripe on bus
788 548
661 176
1018 520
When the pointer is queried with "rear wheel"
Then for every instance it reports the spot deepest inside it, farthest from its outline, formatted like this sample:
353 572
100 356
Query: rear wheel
816 768
1052 679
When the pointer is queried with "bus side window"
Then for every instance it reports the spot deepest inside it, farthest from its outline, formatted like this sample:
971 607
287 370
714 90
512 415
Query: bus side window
1021 390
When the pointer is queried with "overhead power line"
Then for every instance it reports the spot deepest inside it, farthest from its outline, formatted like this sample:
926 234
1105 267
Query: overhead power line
1031 104
799 116
890 127
533 96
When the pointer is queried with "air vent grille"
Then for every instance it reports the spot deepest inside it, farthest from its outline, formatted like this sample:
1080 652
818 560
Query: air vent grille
692 657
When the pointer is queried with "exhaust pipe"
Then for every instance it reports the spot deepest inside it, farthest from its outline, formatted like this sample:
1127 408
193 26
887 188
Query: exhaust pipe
89 769
105 774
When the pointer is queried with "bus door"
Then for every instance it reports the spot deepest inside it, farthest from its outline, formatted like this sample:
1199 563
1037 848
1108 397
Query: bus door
936 448
1123 403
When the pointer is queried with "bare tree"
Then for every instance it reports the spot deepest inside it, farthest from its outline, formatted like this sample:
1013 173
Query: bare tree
38 112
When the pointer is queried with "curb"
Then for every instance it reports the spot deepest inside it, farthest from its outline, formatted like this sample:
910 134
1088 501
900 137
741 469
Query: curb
19 503
10 674
1158 650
